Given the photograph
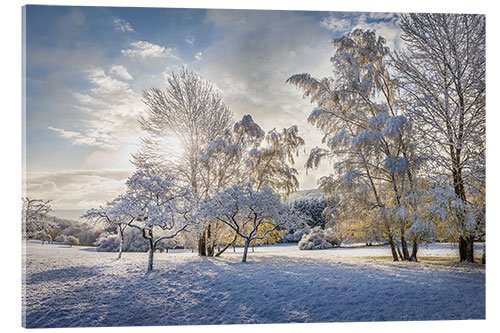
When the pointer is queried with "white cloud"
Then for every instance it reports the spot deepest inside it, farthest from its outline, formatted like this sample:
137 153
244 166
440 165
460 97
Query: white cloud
387 28
122 25
87 100
385 24
76 189
336 23
75 137
105 84
64 133
198 56
190 40
121 71
145 50
108 112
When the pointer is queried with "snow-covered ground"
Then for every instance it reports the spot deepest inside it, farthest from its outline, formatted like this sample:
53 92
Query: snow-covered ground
68 287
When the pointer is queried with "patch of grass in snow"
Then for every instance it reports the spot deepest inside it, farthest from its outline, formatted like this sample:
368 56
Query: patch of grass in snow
444 260
423 259
360 245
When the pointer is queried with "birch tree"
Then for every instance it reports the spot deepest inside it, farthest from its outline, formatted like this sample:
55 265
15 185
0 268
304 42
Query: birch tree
365 131
442 75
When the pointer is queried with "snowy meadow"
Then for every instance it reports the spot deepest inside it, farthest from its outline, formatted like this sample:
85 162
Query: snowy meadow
77 286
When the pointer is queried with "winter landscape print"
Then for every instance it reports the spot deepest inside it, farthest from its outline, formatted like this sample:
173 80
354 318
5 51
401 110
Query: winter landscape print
215 167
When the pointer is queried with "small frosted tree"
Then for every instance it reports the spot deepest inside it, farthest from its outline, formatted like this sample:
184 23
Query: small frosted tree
244 209
154 201
111 215
153 204
35 218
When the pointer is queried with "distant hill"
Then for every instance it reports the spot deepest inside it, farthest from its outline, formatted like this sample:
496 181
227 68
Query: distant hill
74 214
68 214
306 195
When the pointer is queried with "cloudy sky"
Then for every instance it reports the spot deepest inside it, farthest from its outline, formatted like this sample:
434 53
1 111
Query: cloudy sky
86 68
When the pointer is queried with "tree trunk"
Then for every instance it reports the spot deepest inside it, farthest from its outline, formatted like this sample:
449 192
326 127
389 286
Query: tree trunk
120 247
393 249
226 247
399 253
404 247
151 254
414 251
245 251
461 248
466 248
469 249
208 242
202 251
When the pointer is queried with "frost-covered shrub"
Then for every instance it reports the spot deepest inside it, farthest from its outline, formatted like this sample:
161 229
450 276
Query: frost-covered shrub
43 236
107 242
88 236
314 240
61 238
71 240
296 235
132 242
331 236
72 230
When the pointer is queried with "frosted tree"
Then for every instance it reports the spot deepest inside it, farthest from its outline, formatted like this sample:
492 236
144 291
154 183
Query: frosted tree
155 201
442 75
189 111
112 215
224 161
312 211
247 154
153 204
35 218
365 131
244 209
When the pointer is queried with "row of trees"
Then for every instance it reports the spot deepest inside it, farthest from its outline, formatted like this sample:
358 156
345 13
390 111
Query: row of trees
38 223
405 132
224 186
